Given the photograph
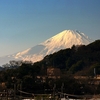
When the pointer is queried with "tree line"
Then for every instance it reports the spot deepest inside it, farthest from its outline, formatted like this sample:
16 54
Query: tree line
78 60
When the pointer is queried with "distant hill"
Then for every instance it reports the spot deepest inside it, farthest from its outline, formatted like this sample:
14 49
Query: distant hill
83 59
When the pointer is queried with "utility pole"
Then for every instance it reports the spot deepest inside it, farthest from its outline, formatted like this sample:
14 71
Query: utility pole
62 89
54 90
14 91
94 72
7 94
20 89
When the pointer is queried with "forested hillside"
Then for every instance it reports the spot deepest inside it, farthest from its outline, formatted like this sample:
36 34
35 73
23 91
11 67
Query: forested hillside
78 60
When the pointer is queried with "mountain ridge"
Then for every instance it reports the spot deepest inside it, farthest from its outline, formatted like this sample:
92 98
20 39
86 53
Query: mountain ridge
62 40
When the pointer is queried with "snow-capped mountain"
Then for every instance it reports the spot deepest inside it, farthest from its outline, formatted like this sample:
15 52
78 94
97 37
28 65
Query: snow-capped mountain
65 39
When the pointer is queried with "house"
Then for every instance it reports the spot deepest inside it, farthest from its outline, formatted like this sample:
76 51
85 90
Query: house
53 73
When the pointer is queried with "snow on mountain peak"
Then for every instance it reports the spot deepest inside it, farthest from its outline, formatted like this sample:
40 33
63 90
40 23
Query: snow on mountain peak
64 39
67 38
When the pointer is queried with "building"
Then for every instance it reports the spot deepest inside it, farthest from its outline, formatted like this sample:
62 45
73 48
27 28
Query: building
53 73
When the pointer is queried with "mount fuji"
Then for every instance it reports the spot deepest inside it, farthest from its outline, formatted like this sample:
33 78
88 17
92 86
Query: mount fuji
64 39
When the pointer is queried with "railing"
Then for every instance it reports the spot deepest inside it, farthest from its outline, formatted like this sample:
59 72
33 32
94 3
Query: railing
56 96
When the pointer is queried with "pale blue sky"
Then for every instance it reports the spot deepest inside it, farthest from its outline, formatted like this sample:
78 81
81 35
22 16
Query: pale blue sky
25 23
